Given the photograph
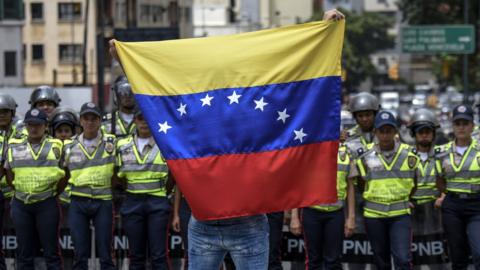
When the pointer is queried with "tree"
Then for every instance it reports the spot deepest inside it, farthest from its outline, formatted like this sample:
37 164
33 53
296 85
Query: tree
365 34
419 12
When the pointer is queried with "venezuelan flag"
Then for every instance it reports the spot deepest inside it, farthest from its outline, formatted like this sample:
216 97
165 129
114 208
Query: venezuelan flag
248 123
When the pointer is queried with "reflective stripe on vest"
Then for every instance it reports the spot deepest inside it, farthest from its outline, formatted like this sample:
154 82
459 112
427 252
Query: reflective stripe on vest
145 186
426 192
380 207
474 188
30 198
94 192
96 161
144 167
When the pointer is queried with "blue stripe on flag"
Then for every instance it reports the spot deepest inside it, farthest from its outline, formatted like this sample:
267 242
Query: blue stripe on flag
244 120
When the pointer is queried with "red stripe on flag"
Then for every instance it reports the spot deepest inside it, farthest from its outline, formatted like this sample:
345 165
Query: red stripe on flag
235 185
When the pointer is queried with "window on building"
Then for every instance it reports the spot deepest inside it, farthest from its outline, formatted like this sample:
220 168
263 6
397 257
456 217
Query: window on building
188 14
157 13
10 63
70 11
145 13
36 10
70 53
37 52
11 9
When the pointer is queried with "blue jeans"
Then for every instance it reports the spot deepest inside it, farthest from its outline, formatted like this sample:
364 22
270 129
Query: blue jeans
323 233
145 221
82 211
461 222
275 223
391 236
42 220
246 239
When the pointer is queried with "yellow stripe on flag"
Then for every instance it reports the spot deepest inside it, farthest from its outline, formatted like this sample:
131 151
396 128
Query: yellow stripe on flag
188 66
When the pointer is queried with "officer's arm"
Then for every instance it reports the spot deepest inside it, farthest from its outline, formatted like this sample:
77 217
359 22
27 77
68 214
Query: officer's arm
176 209
350 221
117 181
62 184
295 225
414 189
351 198
9 175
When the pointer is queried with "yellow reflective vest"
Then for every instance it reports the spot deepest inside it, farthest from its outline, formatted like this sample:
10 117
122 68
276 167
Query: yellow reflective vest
465 176
122 129
343 169
426 180
91 173
36 175
14 132
387 185
144 174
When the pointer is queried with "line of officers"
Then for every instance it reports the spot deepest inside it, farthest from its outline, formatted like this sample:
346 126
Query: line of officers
59 163
56 155
392 184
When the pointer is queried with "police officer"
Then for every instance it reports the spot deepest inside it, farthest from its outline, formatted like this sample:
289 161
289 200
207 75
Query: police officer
364 107
426 219
325 226
459 167
63 126
7 131
146 209
89 162
45 98
33 170
120 123
64 123
387 172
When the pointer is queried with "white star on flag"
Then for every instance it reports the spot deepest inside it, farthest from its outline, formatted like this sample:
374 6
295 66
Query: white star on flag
299 135
283 115
260 104
182 109
234 98
206 100
164 127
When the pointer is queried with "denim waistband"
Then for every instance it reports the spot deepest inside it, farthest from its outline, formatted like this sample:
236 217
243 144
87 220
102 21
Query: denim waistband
232 221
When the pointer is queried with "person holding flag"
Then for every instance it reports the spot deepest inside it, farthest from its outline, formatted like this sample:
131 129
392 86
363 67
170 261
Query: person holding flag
228 133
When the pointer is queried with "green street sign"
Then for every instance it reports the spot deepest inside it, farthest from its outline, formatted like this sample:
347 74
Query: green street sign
453 39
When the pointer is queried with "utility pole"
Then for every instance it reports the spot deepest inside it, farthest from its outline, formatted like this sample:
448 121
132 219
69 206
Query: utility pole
85 45
466 7
101 56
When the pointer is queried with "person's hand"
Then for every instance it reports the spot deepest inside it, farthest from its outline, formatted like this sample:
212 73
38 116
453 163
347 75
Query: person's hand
113 50
176 223
295 226
439 201
333 14
349 227
411 205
